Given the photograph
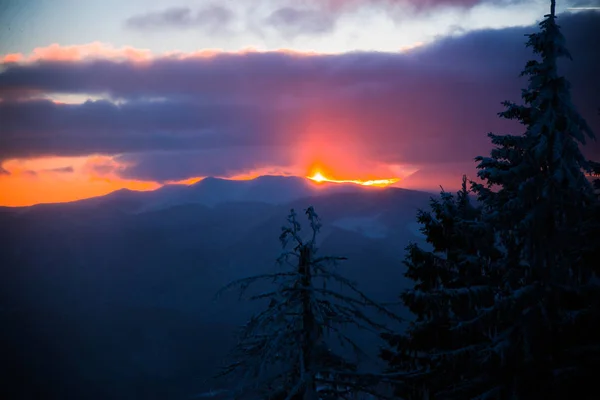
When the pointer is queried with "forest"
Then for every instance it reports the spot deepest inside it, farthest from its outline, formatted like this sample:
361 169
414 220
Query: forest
505 296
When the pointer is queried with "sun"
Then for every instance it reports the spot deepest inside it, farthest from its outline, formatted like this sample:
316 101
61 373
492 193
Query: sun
319 178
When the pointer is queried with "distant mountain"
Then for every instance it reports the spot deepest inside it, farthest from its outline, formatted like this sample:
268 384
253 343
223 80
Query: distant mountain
112 297
210 192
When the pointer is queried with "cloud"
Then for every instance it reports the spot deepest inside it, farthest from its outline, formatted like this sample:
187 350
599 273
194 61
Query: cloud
340 6
225 113
4 171
105 169
61 170
90 51
213 18
164 166
584 3
292 22
318 17
107 128
289 19
98 51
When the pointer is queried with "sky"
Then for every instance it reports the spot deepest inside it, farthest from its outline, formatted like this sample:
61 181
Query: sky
97 96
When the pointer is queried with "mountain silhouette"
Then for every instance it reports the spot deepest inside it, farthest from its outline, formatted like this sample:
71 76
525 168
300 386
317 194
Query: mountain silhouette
113 297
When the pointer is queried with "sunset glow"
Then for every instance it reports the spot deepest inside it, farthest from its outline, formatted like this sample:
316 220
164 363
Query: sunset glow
159 159
136 104
319 178
62 179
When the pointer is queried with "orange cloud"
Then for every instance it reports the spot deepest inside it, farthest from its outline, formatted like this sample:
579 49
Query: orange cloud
189 181
12 58
410 47
61 179
99 50
26 182
94 50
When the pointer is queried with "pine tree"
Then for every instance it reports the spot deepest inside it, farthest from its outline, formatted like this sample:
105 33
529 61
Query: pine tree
535 333
452 282
283 352
584 336
541 202
540 174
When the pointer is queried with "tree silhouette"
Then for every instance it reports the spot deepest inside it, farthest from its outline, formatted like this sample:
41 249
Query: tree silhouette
283 352
534 333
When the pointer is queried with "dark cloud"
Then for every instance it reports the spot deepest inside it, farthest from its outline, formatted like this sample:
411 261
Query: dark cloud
3 171
213 18
107 128
105 168
433 105
61 170
293 22
167 166
320 16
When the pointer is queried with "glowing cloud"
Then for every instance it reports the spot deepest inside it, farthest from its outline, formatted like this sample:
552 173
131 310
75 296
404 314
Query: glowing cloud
62 179
319 178
94 50
105 51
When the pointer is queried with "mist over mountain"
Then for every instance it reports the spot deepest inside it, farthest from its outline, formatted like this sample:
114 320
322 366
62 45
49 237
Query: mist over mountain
113 297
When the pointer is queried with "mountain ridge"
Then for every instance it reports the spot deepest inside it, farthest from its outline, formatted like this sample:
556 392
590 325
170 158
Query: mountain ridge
74 272
210 191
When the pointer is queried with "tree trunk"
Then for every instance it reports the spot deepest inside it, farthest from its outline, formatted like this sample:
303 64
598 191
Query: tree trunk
308 322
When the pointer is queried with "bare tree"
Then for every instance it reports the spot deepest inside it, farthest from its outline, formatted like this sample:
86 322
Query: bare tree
283 352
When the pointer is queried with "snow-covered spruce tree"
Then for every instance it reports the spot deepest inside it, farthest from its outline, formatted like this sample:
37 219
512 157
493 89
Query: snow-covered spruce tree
539 201
283 352
452 283
537 336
